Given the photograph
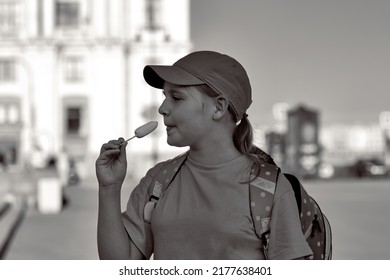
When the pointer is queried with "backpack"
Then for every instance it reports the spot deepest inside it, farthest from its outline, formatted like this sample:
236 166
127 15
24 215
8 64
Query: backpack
315 226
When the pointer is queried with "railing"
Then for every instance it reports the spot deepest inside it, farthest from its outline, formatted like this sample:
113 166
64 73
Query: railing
6 208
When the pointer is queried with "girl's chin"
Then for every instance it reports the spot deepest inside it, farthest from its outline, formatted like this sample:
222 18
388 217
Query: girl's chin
175 142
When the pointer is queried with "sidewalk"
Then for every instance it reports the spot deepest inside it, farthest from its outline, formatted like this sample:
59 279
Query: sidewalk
69 235
13 211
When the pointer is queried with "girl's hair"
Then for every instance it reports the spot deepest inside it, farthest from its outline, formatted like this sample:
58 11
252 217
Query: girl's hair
243 138
243 141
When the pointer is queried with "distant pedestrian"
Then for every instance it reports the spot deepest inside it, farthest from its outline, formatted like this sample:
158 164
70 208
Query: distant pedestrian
2 161
5 160
205 212
63 167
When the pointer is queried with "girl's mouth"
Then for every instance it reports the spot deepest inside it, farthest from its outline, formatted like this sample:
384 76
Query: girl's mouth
169 128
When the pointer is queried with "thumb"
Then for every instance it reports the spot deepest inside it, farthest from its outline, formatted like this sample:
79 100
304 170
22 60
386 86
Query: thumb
122 155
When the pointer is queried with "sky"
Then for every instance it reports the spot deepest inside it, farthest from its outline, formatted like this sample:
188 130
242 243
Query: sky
330 55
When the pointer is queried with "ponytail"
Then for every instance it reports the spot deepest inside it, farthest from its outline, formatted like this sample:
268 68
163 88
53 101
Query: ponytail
243 141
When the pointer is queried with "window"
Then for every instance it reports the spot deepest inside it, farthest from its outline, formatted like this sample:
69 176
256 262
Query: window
8 153
74 69
73 122
13 114
153 14
75 117
7 70
67 14
9 17
9 112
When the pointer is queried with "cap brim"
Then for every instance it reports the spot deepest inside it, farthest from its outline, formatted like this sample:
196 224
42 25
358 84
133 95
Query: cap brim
157 75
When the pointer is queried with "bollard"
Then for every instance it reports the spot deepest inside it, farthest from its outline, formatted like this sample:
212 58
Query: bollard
49 197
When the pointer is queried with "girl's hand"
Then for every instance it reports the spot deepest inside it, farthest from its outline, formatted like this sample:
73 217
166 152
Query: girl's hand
111 165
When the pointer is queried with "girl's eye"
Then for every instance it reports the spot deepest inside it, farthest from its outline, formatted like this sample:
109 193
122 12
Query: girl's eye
172 95
176 97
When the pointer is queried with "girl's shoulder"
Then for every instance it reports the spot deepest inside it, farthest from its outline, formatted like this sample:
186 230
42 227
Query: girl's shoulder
271 179
283 186
167 166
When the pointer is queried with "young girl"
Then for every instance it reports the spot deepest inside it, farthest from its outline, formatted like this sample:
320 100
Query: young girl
205 212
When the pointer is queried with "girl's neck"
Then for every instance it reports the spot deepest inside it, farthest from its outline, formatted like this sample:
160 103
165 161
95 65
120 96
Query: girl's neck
214 154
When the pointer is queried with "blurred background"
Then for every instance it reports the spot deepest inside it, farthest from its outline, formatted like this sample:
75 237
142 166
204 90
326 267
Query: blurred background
71 79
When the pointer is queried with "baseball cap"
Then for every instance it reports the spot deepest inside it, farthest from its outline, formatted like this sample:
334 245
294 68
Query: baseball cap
222 73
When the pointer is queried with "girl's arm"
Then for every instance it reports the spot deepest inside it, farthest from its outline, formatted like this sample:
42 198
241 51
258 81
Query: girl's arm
113 240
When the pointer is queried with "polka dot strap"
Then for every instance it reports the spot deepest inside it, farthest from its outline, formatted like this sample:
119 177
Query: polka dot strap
161 182
261 193
166 175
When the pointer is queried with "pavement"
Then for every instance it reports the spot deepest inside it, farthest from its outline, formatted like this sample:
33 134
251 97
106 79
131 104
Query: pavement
13 211
67 235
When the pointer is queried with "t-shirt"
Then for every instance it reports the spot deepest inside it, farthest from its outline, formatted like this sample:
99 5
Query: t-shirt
205 214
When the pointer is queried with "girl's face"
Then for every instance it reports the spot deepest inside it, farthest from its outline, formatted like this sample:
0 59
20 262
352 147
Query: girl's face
187 115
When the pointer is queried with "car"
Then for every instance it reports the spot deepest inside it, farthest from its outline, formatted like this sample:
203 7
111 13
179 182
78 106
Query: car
370 168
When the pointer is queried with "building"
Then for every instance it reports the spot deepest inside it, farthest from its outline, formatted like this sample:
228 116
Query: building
302 142
308 143
344 144
71 76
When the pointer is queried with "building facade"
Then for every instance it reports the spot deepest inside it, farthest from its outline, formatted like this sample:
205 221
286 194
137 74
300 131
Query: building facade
307 146
71 77
344 144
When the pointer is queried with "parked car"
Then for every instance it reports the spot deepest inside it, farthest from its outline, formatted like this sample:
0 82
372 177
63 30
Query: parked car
370 168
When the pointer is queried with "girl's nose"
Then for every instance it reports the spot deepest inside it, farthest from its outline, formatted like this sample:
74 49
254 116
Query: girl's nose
163 109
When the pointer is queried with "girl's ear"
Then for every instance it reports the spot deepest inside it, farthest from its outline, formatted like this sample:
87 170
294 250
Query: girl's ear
221 107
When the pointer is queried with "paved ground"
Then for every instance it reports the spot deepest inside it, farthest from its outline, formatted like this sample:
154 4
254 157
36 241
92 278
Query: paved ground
70 234
67 235
358 211
359 214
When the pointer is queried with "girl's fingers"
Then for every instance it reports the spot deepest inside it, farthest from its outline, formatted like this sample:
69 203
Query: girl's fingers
112 149
112 144
111 152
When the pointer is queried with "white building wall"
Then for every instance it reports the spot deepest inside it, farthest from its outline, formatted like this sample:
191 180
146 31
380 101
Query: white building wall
30 10
114 46
173 13
344 144
43 77
98 19
48 17
107 97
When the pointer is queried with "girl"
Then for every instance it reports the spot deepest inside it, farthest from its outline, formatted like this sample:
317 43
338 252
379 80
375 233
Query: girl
205 212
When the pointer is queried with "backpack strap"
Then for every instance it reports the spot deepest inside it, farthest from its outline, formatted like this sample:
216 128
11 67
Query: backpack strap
161 182
261 193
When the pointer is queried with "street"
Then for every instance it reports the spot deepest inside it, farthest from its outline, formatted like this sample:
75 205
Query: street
358 212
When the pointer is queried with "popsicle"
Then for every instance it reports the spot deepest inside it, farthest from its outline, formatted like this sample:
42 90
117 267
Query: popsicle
143 130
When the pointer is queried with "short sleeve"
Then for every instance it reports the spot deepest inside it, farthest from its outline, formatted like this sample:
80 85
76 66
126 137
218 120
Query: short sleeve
138 230
286 238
